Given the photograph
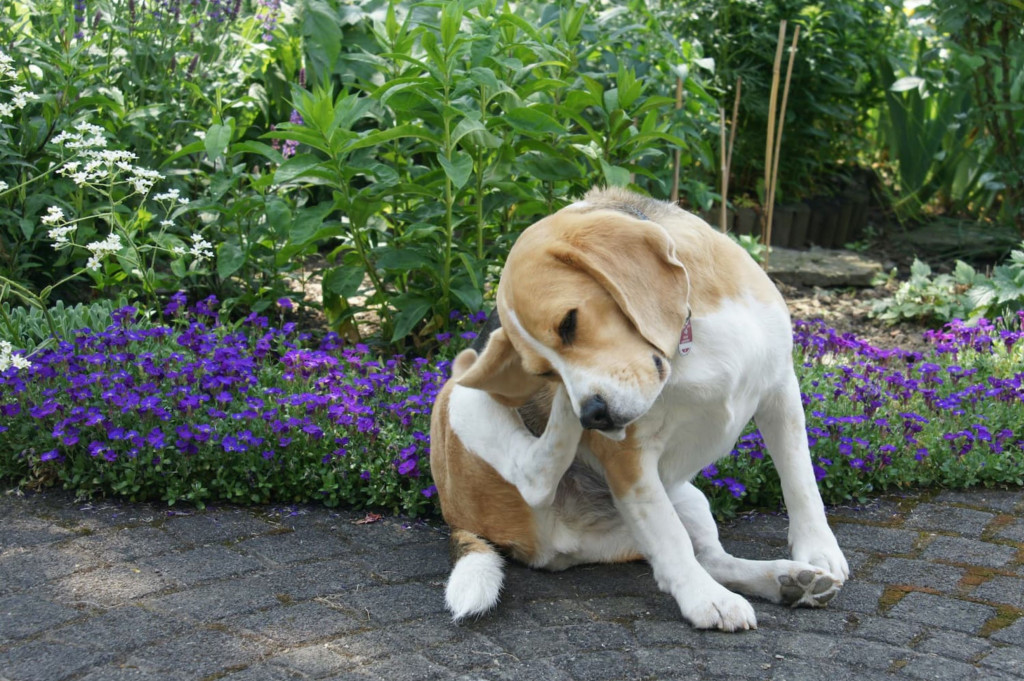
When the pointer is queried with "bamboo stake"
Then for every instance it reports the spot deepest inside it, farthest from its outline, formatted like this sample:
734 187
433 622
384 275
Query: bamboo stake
770 141
678 154
722 214
735 115
727 163
782 121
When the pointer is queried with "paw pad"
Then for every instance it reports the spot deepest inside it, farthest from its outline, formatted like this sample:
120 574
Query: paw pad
807 589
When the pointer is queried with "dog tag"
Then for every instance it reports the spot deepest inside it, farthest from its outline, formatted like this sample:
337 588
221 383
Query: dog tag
686 339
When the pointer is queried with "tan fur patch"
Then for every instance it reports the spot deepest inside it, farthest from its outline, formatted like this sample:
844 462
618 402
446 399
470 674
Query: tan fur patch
462 543
499 371
620 460
719 269
474 497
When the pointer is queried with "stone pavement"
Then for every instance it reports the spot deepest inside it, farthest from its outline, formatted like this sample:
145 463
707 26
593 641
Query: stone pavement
112 590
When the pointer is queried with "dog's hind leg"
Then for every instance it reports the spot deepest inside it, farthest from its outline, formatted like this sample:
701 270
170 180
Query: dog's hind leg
477 574
780 581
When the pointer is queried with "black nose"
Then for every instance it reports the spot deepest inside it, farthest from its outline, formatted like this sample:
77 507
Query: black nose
594 414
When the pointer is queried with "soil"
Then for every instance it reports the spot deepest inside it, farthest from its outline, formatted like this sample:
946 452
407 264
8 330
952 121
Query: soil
846 310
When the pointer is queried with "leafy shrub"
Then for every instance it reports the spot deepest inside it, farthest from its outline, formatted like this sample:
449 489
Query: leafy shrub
30 327
963 294
833 90
985 42
428 137
445 129
152 77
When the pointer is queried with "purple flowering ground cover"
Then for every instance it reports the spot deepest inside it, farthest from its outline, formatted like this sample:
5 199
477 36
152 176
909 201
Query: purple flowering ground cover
190 409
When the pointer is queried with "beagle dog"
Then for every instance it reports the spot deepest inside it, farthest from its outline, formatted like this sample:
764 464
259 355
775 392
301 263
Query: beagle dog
635 343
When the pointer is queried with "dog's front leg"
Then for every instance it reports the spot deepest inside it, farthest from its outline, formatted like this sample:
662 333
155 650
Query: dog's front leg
780 418
644 503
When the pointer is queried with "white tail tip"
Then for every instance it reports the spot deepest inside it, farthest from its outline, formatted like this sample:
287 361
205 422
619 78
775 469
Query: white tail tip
475 584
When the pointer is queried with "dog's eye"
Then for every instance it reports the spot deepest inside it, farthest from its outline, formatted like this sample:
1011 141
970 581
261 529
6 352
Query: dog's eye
567 327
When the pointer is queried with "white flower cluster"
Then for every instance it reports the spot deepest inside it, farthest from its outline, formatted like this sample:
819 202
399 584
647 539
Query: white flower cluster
6 65
101 163
201 248
101 249
171 195
58 232
20 97
8 359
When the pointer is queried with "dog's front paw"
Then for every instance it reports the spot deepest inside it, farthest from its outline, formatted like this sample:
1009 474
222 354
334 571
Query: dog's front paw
806 586
717 608
823 552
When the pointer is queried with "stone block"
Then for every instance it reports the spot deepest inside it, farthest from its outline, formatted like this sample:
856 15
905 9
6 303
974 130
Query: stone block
919 573
942 612
23 615
943 517
969 551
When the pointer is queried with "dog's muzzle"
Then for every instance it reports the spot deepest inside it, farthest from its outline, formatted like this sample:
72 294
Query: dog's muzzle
596 415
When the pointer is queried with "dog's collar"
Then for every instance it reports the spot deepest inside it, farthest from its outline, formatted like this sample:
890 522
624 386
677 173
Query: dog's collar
634 210
686 337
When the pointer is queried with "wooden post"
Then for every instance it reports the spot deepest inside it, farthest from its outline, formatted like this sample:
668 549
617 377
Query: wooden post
678 154
770 136
778 137
727 155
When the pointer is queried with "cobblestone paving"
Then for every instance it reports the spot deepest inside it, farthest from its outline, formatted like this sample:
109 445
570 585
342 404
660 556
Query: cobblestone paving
110 590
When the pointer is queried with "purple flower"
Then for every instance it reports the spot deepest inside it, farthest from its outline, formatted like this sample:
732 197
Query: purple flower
123 315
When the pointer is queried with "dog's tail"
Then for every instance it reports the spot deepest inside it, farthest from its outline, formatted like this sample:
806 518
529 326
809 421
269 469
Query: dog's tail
477 574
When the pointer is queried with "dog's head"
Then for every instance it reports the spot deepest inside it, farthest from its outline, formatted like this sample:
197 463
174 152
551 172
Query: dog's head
595 298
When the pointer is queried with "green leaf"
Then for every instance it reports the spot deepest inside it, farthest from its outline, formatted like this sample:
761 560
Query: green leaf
279 215
295 167
343 281
469 295
323 34
465 127
230 258
907 83
615 176
403 259
548 167
193 148
920 269
216 142
307 221
253 147
411 311
458 169
963 273
533 121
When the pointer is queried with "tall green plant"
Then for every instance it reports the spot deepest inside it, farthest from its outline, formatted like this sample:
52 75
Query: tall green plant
833 87
985 41
493 116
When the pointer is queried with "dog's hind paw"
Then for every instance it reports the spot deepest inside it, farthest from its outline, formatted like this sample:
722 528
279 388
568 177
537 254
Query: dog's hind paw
808 588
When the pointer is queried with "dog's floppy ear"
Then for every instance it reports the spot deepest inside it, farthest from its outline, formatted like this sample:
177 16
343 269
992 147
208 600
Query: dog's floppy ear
499 371
635 261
